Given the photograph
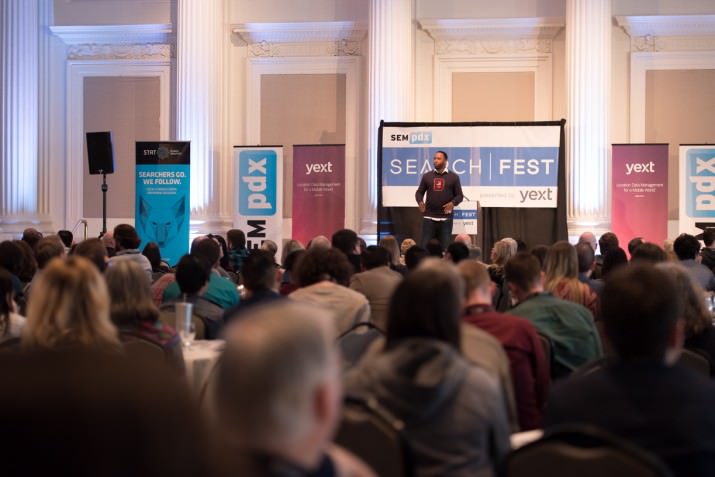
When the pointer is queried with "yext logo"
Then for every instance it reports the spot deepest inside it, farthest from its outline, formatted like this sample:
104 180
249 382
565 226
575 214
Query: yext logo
640 167
700 182
257 187
318 167
534 195
420 137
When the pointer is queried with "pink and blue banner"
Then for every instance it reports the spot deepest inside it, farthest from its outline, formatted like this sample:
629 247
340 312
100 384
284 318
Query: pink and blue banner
318 190
639 192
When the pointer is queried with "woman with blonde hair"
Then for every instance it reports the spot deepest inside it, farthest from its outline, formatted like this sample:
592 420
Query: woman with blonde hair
69 308
561 277
501 252
389 243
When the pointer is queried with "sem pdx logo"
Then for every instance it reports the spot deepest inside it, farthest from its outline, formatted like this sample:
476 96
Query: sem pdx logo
700 185
418 137
257 188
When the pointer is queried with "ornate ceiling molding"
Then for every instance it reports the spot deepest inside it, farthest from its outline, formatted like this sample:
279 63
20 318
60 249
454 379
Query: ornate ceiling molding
300 32
537 28
667 25
94 51
115 34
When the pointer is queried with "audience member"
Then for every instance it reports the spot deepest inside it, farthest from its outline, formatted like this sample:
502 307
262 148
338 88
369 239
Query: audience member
475 252
108 241
10 260
502 251
193 275
290 247
521 246
31 237
134 314
69 308
27 263
422 378
707 254
586 265
288 282
126 242
590 239
640 397
540 251
648 253
11 323
377 282
67 238
414 256
324 276
346 241
259 281
529 366
389 243
456 252
607 242
237 251
613 260
93 250
561 277
404 247
271 247
319 241
158 266
633 244
47 248
569 326
224 262
434 248
687 249
279 394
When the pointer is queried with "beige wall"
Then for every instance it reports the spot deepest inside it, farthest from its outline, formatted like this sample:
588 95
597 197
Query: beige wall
493 96
679 109
112 12
301 109
129 108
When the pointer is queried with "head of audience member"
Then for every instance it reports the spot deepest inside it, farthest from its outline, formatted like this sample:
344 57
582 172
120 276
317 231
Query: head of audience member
709 237
588 238
319 241
521 246
271 247
27 263
612 261
223 248
98 413
434 248
317 265
389 243
523 276
290 247
31 236
561 264
414 256
69 308
236 239
586 258
540 251
153 254
93 250
10 256
67 237
464 238
648 252
292 259
109 245
48 248
607 241
278 386
259 271
346 241
427 304
406 244
362 245
478 287
695 315
7 304
206 249
192 274
126 238
375 256
686 247
456 252
633 244
503 250
641 310
130 295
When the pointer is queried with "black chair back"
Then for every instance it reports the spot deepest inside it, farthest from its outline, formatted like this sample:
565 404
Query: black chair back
582 451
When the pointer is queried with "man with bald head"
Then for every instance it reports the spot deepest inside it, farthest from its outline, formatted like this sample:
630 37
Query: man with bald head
589 238
278 392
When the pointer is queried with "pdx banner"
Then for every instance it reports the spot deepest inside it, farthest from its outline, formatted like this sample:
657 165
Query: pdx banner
697 188
639 191
498 166
259 194
318 190
162 196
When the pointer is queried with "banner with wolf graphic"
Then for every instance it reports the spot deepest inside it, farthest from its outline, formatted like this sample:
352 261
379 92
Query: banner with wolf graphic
162 197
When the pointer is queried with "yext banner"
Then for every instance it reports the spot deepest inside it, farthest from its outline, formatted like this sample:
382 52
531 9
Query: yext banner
697 188
318 190
498 166
259 194
162 196
639 192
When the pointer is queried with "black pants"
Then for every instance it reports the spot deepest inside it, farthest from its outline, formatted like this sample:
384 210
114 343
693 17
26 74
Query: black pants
441 230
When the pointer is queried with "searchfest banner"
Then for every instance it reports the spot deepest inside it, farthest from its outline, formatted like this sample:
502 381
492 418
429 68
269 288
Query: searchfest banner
318 190
498 166
697 188
639 192
259 194
162 196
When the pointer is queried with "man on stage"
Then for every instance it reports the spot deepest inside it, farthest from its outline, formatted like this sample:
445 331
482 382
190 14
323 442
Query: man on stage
444 192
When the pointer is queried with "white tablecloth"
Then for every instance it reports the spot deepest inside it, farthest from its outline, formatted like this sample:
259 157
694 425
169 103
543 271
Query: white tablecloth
200 360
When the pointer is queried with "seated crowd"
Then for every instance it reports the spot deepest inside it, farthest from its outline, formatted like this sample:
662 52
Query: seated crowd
460 354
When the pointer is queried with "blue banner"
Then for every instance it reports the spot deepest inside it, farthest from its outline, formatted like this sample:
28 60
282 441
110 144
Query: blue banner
162 197
700 182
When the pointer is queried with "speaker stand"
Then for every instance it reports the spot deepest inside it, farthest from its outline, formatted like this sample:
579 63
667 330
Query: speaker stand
104 203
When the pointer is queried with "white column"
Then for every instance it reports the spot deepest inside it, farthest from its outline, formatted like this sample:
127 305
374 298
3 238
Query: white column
199 105
391 83
588 66
19 115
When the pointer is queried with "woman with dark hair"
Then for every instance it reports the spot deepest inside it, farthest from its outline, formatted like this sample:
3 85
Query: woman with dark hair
158 266
11 323
422 378
613 260
126 243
